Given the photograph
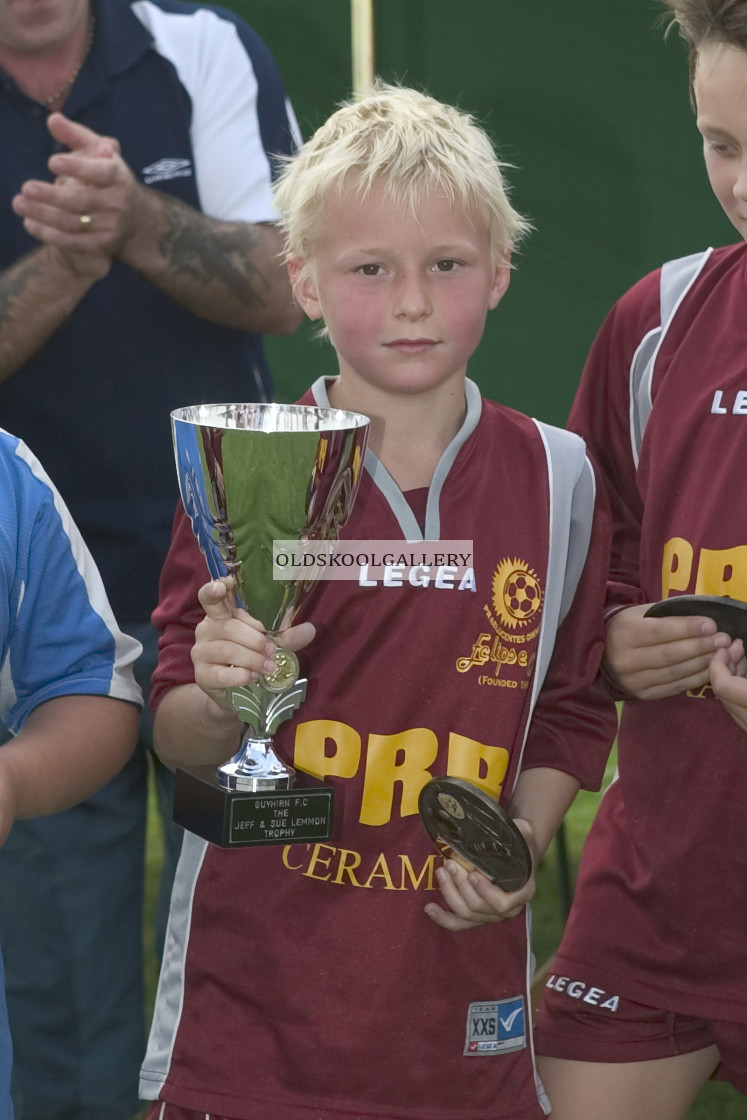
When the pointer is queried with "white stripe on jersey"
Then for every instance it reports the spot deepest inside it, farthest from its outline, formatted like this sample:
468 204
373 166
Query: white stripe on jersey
170 994
126 649
572 490
217 73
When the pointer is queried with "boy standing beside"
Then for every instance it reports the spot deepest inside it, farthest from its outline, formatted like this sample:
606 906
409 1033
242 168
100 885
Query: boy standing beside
307 981
649 988
67 691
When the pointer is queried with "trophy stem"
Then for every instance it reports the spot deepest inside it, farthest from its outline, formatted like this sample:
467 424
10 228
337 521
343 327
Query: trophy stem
255 767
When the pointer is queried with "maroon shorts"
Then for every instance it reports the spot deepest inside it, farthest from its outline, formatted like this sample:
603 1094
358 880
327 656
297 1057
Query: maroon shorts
586 1024
160 1110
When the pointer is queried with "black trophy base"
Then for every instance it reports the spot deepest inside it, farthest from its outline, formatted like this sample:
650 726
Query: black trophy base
236 819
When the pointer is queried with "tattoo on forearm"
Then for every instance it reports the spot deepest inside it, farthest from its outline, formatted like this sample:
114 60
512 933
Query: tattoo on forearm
12 284
223 255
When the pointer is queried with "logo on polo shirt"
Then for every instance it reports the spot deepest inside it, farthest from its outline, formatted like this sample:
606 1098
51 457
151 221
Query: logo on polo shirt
498 1027
164 169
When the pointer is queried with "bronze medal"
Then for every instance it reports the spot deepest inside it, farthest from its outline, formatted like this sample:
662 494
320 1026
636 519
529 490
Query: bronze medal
469 826
730 615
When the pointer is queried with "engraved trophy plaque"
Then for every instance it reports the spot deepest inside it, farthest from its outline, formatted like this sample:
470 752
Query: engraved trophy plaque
469 826
251 475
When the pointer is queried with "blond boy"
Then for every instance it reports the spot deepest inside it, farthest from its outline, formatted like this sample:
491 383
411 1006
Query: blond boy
326 980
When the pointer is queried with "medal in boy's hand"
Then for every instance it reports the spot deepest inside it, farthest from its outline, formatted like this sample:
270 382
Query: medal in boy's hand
470 827
286 673
730 615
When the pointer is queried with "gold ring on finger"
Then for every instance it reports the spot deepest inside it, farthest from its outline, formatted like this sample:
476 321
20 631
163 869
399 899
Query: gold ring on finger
86 222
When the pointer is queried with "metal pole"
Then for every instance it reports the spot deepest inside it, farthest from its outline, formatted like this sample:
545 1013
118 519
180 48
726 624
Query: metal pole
361 23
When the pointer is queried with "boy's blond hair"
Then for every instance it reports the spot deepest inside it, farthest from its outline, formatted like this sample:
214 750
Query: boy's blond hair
411 143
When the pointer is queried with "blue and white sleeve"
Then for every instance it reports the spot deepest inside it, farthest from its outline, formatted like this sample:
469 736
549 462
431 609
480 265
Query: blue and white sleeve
62 638
241 116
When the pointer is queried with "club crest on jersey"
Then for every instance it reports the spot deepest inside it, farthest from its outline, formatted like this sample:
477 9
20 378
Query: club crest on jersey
505 652
496 1027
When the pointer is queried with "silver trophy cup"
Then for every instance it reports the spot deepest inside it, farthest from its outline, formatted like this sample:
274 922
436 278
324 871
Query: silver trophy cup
251 475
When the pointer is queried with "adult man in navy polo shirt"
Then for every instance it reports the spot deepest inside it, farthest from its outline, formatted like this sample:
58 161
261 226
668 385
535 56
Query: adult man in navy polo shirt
136 267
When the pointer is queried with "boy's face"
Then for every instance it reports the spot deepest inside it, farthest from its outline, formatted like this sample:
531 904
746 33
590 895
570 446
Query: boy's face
404 298
721 97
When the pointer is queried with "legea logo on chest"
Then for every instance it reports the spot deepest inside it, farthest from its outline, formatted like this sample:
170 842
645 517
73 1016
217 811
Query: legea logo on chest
729 402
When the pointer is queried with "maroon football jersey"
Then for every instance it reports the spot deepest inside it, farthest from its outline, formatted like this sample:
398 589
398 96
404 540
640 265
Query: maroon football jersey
661 903
305 981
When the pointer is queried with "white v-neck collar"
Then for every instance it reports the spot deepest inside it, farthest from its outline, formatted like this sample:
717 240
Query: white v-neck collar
389 489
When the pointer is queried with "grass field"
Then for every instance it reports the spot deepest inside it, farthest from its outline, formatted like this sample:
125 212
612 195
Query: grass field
716 1102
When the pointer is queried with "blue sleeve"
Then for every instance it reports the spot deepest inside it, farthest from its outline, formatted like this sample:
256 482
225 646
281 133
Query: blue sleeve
59 637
